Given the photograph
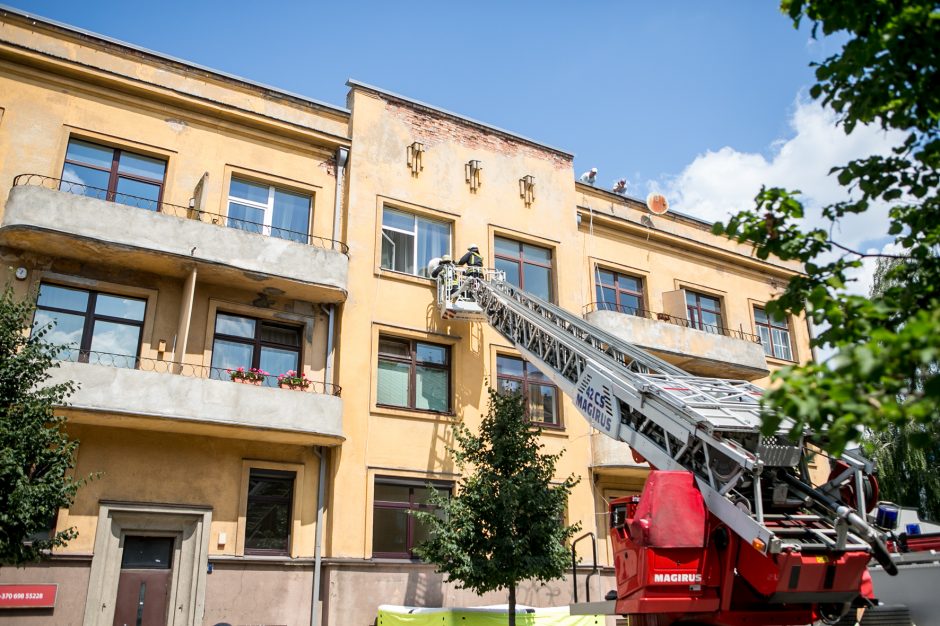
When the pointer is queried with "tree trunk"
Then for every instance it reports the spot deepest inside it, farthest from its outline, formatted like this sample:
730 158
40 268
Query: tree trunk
512 604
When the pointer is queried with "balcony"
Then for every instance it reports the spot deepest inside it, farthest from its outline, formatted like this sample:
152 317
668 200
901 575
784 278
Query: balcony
148 394
57 218
714 351
614 458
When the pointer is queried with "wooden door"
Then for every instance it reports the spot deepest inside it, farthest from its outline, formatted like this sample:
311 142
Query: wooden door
144 585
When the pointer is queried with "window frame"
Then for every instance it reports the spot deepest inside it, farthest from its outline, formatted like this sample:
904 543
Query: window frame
411 505
274 474
522 261
695 313
257 342
413 363
771 325
114 173
268 209
419 271
90 317
524 390
618 291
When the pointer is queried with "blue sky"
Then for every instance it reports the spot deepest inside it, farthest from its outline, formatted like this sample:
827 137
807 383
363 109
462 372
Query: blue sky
637 89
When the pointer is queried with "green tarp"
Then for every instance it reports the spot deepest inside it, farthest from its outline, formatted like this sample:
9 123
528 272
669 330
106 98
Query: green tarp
485 616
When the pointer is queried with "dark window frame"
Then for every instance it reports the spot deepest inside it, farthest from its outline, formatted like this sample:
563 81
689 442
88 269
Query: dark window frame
257 342
411 505
114 175
618 290
522 261
524 389
695 312
88 327
282 476
770 326
413 363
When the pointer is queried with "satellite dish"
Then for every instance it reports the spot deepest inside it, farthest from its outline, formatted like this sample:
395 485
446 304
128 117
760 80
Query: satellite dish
433 263
657 203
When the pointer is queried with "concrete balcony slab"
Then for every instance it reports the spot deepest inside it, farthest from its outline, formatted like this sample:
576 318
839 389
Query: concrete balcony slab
131 398
55 223
614 458
696 351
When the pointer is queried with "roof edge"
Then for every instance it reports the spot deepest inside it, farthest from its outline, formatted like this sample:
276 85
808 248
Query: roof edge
175 60
461 118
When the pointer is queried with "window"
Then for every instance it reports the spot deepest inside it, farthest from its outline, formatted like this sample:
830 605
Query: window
395 532
528 267
247 342
113 174
774 335
268 210
409 242
515 375
704 312
413 375
94 327
616 292
268 516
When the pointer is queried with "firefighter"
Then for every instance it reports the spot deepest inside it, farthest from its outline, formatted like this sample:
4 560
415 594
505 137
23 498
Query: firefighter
473 260
450 273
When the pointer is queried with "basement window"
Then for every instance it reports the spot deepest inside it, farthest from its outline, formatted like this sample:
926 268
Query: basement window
395 533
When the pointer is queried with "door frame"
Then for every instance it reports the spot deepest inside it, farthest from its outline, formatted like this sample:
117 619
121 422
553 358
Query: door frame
190 525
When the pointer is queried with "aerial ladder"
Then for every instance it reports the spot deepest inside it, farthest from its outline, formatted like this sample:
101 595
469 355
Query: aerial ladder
729 529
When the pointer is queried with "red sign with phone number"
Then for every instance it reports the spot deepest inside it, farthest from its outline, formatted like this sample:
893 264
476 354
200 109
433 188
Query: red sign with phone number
27 596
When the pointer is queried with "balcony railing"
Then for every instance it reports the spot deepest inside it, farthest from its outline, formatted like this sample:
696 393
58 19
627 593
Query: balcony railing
190 213
124 361
671 319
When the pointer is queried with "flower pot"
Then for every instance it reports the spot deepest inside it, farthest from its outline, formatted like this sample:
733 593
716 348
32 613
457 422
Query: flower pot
245 381
290 386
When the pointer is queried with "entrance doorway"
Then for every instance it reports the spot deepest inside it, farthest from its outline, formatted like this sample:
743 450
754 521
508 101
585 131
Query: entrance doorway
143 591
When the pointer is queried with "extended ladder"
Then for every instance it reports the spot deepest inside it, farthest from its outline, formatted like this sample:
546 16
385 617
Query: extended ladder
676 421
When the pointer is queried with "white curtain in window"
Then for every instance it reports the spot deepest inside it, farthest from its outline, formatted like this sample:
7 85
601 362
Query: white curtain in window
433 241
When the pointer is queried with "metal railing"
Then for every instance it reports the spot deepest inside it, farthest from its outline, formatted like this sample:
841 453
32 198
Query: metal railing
125 361
671 319
175 210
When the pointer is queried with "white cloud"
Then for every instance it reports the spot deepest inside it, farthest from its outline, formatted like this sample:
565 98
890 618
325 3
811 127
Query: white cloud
719 183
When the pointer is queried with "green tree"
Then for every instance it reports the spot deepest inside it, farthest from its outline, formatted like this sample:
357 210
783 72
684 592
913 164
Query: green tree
504 524
36 456
906 472
885 74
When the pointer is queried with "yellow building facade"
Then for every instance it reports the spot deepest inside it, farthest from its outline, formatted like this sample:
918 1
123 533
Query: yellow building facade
179 223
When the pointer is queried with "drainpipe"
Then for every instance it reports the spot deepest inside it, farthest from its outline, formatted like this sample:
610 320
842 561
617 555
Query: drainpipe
186 314
330 310
323 454
342 154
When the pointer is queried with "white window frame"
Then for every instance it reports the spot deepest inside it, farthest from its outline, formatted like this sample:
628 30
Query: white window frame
773 332
268 208
414 236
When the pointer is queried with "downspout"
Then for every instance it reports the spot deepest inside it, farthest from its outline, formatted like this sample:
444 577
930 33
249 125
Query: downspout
323 454
186 314
342 155
328 369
